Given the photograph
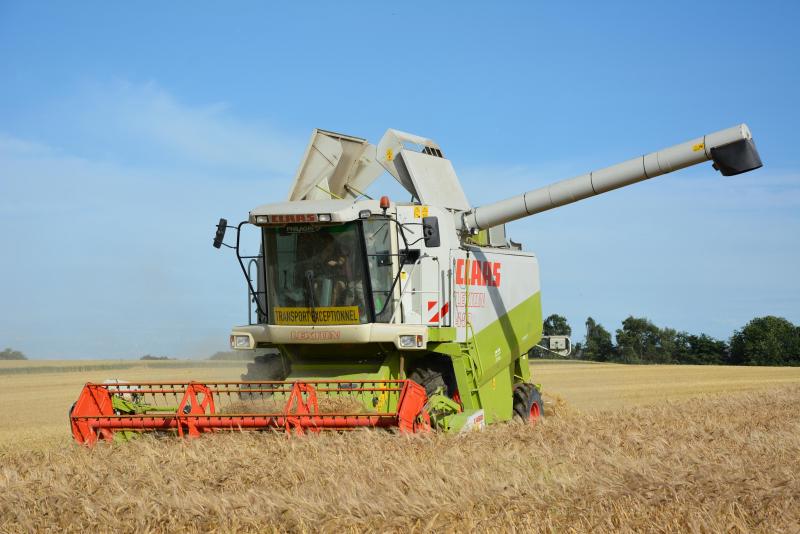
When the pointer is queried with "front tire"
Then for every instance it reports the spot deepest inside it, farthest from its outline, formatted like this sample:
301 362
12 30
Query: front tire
431 379
267 367
435 374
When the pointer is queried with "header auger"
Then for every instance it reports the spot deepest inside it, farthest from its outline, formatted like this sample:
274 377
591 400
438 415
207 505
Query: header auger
372 313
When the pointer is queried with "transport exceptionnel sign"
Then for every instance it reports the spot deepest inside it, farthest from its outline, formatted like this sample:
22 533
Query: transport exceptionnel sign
314 316
478 273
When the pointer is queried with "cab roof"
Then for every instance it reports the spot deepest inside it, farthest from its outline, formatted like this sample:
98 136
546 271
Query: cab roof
339 210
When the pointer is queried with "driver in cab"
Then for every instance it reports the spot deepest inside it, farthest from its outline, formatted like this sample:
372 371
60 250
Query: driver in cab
332 278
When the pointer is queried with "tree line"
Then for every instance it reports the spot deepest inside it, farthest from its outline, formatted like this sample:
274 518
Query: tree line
11 354
765 340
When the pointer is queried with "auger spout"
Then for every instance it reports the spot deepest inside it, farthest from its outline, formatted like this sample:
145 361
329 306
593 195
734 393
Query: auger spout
732 150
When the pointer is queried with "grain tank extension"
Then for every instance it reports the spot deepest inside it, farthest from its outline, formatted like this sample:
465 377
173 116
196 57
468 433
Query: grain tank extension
376 313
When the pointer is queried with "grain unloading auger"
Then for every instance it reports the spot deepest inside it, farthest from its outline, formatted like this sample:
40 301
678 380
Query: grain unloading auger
375 313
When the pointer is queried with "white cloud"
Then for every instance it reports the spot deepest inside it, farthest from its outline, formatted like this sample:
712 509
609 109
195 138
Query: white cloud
135 121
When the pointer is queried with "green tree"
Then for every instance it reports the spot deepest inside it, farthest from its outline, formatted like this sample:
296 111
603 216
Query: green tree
556 325
11 354
766 340
702 349
640 341
150 357
598 345
670 345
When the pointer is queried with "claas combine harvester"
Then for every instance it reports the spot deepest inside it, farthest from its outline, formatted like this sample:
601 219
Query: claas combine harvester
409 315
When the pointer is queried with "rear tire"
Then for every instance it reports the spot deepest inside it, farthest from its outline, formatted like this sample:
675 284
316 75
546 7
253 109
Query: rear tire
528 404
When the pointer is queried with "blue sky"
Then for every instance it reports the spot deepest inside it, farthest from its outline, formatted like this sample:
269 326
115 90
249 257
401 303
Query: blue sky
125 133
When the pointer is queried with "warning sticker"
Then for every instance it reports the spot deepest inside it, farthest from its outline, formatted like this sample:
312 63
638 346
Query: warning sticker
420 211
698 147
314 316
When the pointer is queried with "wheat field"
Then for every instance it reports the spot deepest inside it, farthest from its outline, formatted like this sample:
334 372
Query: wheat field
622 449
36 395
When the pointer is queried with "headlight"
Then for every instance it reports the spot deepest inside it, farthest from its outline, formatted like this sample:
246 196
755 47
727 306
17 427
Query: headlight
240 342
262 219
364 214
324 217
408 341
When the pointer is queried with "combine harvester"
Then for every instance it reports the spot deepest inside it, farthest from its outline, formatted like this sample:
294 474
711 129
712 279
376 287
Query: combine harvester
413 315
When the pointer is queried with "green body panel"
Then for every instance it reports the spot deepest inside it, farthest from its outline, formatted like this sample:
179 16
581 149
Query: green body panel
502 342
455 422
442 333
374 369
127 406
442 410
495 359
345 370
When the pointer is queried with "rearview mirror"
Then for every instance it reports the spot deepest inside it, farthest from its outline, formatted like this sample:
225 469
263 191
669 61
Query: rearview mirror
222 225
430 231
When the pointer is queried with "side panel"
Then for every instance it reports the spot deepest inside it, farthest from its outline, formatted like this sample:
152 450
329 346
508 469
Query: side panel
499 345
487 284
484 380
498 313
498 318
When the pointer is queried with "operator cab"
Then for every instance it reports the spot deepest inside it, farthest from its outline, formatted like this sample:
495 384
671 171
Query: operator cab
329 274
335 264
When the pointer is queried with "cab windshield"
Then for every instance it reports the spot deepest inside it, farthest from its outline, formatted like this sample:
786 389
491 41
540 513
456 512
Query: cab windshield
318 275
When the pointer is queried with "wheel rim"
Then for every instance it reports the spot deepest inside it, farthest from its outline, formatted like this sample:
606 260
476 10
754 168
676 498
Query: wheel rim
535 413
